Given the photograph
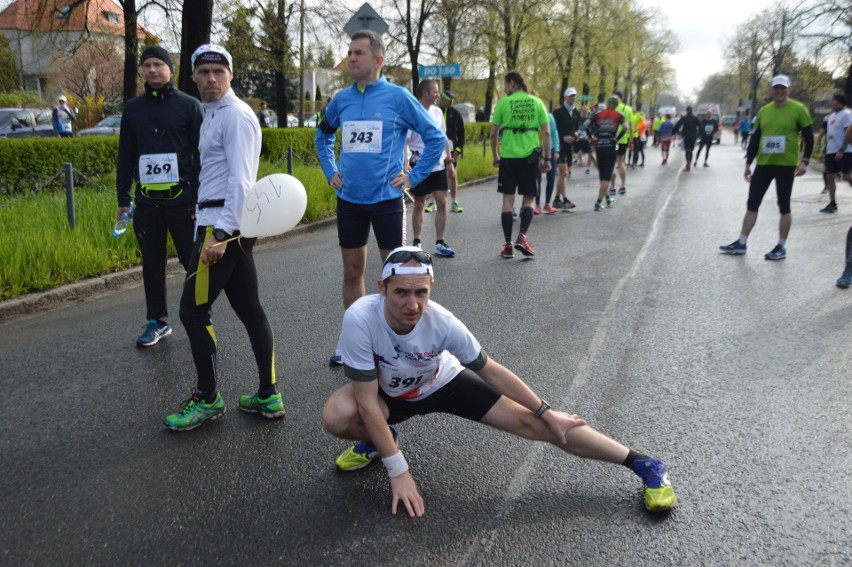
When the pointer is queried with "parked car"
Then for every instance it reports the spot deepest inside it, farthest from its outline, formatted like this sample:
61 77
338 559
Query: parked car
108 126
292 121
26 122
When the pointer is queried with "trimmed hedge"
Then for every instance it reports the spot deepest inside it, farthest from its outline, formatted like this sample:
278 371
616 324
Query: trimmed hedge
29 162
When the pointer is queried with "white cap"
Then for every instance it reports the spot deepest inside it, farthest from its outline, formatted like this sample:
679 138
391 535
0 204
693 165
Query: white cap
782 80
394 266
62 98
570 91
211 53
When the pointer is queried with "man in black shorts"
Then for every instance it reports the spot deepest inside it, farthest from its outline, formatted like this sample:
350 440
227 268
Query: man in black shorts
567 119
405 355
375 117
778 129
523 149
605 128
436 184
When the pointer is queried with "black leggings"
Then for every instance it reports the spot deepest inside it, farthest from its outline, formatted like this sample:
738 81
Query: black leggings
762 178
236 274
152 224
704 143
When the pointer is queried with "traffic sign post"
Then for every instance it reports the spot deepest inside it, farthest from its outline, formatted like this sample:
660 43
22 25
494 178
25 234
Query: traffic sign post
365 18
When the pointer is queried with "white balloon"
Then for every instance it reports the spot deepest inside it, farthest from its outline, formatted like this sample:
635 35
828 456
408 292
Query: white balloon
274 205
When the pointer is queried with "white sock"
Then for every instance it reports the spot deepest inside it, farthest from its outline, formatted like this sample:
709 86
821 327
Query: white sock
782 242
743 238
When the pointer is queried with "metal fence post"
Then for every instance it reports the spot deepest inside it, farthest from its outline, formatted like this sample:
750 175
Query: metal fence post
290 161
69 192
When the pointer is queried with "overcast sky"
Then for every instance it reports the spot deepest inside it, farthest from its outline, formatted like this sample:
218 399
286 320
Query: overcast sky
702 29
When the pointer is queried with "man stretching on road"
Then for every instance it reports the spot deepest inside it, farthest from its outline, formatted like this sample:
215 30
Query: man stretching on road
405 355
775 141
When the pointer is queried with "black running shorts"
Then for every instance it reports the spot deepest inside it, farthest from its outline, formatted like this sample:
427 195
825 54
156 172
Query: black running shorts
435 181
386 217
466 395
517 175
606 162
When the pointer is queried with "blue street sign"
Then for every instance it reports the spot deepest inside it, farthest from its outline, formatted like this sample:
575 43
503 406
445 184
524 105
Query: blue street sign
448 70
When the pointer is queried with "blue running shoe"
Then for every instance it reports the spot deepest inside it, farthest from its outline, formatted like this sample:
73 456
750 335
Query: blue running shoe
361 454
777 253
441 249
845 280
154 331
335 360
659 494
829 208
733 248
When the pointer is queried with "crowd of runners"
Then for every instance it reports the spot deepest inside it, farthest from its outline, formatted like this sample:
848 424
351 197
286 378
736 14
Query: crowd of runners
403 354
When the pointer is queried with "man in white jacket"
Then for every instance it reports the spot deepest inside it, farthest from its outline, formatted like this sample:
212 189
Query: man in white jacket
222 259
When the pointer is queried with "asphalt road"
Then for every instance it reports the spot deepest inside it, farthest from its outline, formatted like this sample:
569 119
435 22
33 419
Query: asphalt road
733 370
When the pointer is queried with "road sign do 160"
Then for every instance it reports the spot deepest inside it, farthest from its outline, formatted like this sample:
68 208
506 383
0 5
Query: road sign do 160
448 70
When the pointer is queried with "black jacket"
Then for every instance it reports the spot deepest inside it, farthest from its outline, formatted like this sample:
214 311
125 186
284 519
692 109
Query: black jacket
567 123
159 121
455 128
688 126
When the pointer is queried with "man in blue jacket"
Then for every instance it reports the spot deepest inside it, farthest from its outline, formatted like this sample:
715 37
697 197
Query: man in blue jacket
374 117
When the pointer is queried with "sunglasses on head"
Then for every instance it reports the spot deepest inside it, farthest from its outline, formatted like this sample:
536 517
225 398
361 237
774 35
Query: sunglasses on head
403 256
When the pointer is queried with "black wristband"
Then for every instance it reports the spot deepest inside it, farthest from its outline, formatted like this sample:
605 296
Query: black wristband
543 408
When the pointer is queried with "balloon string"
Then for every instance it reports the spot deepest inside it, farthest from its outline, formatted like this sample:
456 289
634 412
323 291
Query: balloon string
206 265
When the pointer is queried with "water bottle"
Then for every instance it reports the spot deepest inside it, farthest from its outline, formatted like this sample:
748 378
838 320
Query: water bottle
123 221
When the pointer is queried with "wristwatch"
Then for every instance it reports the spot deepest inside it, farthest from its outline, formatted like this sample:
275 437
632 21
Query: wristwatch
220 235
543 408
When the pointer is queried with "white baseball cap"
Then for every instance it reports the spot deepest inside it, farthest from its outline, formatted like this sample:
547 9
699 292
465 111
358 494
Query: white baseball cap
570 91
782 80
62 98
211 53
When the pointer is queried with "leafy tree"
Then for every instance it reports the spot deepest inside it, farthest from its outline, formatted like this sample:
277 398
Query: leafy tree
10 79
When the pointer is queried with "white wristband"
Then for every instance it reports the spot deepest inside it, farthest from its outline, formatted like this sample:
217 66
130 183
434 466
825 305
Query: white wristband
395 464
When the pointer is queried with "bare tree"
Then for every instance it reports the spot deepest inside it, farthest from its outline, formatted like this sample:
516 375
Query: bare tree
196 23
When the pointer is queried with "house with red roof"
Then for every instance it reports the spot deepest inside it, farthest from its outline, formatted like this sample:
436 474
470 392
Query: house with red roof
40 31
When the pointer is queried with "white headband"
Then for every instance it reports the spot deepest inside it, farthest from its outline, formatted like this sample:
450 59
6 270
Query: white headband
389 270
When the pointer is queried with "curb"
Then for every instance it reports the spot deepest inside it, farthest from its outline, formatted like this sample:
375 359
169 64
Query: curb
74 293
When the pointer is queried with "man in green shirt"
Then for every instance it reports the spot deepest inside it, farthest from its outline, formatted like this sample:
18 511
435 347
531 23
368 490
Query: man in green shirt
775 142
624 142
521 123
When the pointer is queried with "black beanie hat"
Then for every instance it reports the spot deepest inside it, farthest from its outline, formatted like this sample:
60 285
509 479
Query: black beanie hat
159 53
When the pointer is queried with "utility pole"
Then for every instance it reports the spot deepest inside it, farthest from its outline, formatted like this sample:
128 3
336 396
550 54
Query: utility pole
302 64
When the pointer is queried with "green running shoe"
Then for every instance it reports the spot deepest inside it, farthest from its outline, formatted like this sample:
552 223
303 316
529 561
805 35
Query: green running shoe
659 494
456 208
360 454
194 412
270 407
430 208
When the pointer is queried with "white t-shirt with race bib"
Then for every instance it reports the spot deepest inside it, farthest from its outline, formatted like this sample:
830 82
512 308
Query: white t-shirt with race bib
415 142
836 124
412 366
